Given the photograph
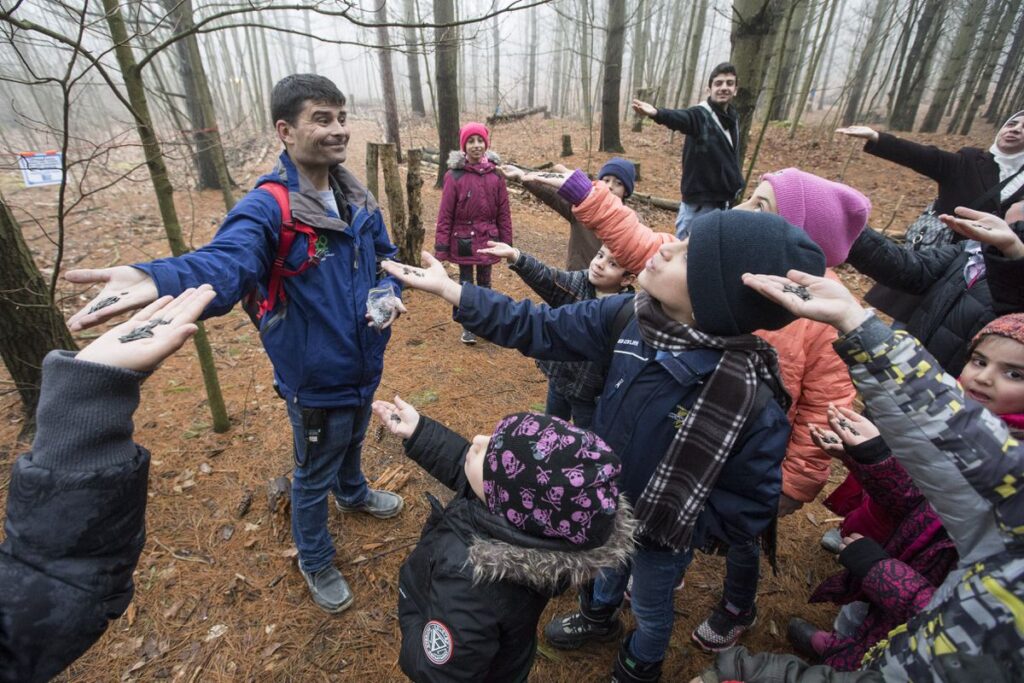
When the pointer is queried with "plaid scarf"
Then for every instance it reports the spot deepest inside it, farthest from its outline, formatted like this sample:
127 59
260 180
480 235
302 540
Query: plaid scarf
675 495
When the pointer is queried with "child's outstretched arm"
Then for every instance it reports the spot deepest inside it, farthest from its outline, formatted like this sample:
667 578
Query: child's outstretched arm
551 284
434 447
959 454
630 241
77 501
577 331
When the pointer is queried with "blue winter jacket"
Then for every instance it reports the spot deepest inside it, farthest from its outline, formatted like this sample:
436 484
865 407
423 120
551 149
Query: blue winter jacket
642 401
324 354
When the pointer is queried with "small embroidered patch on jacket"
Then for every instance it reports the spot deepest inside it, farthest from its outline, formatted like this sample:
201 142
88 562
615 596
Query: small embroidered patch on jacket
437 642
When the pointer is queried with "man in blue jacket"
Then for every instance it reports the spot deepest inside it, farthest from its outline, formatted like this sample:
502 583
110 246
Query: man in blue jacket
327 359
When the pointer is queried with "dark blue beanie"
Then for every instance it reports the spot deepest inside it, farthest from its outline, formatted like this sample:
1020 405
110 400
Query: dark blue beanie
624 170
726 244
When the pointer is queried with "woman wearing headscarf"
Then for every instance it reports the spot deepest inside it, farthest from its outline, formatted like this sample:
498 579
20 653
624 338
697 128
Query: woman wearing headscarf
988 181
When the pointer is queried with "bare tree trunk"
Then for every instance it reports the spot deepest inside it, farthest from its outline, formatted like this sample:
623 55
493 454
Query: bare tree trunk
496 76
801 99
755 24
698 14
915 74
639 54
992 51
834 40
860 78
613 48
410 248
211 165
953 68
789 63
387 77
586 34
447 58
1011 66
164 193
556 80
531 87
393 190
33 325
978 66
426 65
412 61
310 54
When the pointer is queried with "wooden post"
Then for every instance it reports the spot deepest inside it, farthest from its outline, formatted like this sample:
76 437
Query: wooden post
371 168
636 165
566 145
409 250
393 189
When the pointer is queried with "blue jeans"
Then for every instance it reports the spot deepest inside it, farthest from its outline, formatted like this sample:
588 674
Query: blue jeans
332 465
655 576
580 412
688 211
656 573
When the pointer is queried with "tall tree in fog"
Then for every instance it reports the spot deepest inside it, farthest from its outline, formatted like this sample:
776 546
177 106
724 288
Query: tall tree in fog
613 48
447 69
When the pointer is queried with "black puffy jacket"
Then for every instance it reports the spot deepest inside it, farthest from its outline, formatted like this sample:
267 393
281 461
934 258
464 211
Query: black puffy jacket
473 589
950 312
76 510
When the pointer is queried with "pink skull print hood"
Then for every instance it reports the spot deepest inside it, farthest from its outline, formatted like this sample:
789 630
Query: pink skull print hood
552 480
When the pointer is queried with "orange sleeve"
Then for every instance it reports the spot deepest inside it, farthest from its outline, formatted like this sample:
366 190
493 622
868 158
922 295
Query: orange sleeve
825 380
630 241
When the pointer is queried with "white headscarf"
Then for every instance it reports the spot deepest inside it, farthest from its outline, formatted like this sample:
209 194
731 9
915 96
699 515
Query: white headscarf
1009 164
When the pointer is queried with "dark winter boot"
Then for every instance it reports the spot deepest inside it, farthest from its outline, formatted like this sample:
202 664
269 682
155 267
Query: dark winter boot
629 669
588 625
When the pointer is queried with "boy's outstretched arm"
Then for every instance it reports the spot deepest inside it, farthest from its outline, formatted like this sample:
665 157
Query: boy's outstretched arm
76 503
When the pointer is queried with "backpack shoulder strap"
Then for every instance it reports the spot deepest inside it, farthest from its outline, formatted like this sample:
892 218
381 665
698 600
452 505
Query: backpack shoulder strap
285 240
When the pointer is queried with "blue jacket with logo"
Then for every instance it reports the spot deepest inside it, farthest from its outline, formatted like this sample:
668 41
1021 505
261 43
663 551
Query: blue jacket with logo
644 396
324 354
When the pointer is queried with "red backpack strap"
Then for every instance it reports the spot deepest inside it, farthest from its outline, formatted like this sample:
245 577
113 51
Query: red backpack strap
289 228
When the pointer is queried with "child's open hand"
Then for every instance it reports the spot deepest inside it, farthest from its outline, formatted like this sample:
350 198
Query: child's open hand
152 334
501 250
399 417
808 296
548 178
987 229
434 278
851 427
512 172
827 440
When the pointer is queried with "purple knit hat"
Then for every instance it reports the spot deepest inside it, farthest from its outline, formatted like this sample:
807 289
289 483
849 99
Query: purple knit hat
473 128
832 214
552 480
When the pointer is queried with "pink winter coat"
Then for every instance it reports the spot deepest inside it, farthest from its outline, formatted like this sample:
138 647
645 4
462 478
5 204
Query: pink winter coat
812 372
474 209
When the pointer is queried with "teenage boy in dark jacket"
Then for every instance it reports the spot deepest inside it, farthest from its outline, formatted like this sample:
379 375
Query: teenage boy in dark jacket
76 503
327 360
536 509
711 163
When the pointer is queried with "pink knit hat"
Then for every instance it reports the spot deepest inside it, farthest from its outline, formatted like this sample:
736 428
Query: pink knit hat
473 128
832 214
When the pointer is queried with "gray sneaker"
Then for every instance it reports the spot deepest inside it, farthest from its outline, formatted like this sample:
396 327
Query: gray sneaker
379 504
329 589
468 338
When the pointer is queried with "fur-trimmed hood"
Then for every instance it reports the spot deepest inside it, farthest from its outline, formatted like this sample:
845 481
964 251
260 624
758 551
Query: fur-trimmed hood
457 160
547 569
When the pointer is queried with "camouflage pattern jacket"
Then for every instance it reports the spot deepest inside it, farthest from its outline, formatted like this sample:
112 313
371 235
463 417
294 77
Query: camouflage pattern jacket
969 467
76 509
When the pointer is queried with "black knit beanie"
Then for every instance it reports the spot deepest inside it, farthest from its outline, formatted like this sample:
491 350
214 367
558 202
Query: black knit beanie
726 244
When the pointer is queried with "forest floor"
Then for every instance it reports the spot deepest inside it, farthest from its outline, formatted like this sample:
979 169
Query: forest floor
218 596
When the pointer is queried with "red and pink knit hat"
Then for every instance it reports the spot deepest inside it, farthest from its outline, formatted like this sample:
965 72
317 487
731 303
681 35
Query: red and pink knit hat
473 128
